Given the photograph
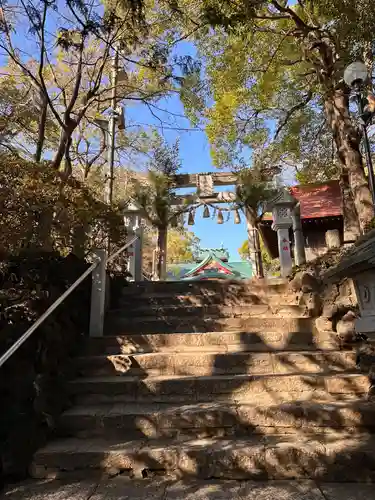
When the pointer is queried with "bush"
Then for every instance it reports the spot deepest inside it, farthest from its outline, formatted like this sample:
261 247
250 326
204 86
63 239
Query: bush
322 263
47 227
38 210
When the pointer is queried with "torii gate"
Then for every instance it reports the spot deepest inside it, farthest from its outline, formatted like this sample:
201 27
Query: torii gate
283 204
205 184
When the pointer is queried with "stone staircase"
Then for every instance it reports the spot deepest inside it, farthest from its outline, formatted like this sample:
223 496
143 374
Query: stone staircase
214 380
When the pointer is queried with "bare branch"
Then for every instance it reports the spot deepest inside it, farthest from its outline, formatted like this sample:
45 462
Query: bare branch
292 14
291 112
276 51
271 18
78 80
41 67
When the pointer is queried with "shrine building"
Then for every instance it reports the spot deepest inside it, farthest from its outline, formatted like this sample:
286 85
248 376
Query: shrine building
321 217
210 264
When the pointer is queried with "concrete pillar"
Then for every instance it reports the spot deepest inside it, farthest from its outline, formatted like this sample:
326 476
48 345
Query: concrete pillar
299 240
98 292
283 241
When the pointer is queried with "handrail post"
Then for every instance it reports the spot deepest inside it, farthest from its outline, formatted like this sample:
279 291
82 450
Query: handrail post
98 290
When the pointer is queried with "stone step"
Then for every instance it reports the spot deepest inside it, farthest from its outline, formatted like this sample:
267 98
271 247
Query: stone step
116 325
210 297
220 387
227 287
261 398
195 362
333 457
148 313
245 340
158 421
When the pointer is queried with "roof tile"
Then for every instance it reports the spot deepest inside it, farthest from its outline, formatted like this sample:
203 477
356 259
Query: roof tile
317 200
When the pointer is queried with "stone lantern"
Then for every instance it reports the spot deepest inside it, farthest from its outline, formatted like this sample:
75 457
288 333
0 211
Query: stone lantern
282 214
133 223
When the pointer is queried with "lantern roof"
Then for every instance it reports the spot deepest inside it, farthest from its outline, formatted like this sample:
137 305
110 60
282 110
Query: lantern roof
316 200
132 207
284 197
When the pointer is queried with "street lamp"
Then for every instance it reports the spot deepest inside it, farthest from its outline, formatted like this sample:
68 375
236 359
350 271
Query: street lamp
356 76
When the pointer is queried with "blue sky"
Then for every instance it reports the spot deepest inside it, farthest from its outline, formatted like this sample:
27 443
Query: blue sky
194 147
194 151
195 158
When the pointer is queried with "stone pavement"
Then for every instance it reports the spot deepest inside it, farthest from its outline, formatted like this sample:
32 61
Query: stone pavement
124 489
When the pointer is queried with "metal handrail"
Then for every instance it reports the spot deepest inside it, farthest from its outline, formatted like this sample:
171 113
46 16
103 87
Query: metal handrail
57 302
45 315
120 250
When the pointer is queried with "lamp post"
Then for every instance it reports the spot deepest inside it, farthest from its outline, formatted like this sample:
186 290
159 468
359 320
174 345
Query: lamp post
356 76
108 124
282 207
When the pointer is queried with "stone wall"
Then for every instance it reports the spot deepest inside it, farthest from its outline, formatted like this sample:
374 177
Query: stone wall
32 391
328 285
320 240
334 305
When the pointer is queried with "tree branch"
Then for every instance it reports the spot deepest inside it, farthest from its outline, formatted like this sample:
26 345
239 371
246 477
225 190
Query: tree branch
271 18
77 83
298 21
275 52
293 110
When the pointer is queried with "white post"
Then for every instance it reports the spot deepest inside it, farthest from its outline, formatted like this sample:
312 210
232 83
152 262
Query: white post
98 290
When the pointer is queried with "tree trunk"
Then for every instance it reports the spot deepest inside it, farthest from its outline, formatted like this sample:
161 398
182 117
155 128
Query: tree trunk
347 139
351 225
64 143
80 237
162 253
254 245
44 232
41 130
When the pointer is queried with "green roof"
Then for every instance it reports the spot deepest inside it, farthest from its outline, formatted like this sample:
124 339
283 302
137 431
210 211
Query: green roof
227 270
220 253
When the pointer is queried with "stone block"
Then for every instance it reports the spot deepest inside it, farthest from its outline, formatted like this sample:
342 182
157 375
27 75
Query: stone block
347 491
296 384
51 490
293 455
311 362
304 281
239 459
126 489
322 324
329 310
313 303
283 490
347 384
203 490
